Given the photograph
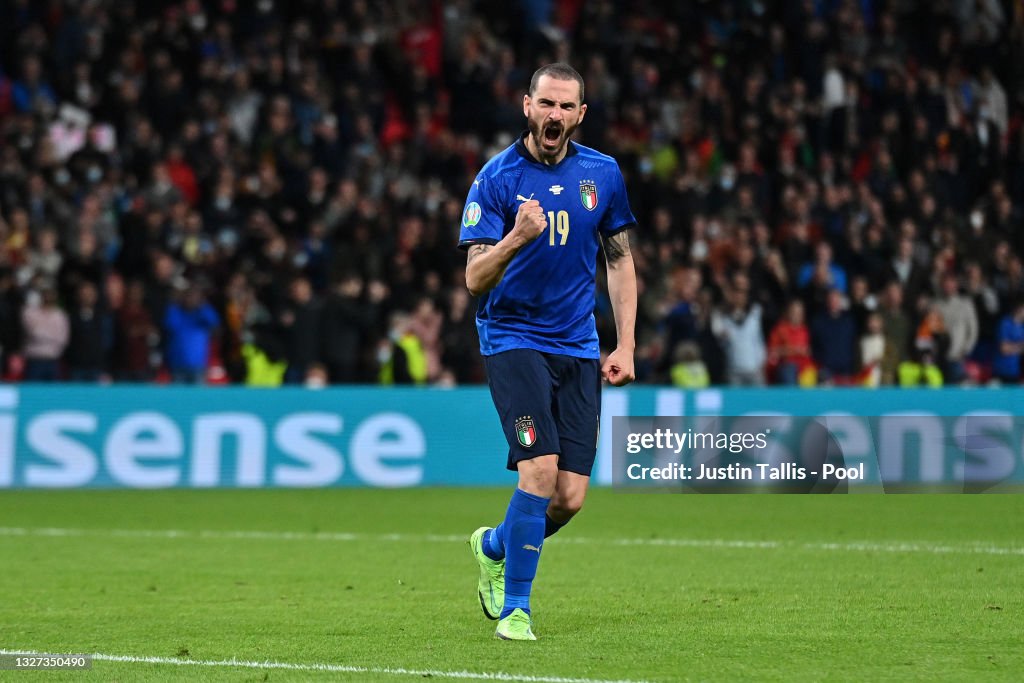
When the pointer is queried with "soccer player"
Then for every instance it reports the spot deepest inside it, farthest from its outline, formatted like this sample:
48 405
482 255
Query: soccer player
533 221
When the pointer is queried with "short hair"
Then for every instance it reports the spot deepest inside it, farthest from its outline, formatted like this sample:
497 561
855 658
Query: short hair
559 70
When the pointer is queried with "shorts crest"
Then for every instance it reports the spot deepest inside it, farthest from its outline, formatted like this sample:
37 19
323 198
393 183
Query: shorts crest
525 431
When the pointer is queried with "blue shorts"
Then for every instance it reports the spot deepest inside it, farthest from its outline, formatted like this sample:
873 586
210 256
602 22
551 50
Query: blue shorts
547 403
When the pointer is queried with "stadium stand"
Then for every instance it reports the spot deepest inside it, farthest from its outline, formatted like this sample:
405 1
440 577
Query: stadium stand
302 166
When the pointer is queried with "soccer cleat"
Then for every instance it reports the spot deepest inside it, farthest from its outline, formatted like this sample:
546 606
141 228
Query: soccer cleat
515 626
491 582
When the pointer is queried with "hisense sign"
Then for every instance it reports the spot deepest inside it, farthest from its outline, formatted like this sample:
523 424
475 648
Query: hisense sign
64 448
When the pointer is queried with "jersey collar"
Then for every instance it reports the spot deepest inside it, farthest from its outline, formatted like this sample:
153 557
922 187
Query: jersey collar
570 149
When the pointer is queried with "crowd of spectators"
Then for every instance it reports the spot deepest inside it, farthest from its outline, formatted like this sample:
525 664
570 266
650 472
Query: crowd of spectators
828 191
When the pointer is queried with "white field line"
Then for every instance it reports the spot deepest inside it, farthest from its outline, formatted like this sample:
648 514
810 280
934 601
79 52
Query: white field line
332 668
210 534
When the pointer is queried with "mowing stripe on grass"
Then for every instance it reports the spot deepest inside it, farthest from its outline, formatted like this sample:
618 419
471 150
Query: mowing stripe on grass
332 668
865 546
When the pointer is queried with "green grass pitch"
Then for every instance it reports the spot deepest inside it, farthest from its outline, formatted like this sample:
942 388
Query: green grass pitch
639 587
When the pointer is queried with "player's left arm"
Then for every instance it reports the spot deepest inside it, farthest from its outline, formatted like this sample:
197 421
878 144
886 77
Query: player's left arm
618 368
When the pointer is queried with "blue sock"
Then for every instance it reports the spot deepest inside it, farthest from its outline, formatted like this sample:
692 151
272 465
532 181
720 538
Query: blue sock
523 530
493 543
493 546
551 527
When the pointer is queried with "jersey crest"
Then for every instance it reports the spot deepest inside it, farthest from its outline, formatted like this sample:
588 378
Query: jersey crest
588 194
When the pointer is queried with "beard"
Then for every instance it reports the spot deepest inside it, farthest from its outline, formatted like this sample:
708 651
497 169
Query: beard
550 138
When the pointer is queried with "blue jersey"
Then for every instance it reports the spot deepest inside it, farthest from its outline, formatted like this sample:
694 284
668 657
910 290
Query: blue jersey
545 301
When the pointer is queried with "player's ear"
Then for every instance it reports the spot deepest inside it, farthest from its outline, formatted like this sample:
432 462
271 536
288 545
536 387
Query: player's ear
583 112
526 106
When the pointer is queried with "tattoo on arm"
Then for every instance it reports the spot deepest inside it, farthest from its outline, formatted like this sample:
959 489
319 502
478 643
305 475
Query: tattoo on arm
475 250
616 247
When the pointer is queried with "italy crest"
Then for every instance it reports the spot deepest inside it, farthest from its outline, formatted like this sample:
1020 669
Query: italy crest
525 432
588 195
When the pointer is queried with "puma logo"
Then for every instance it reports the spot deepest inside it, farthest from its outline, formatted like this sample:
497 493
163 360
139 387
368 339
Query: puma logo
531 547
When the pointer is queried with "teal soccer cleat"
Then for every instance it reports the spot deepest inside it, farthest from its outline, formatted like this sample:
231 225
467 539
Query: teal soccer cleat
491 582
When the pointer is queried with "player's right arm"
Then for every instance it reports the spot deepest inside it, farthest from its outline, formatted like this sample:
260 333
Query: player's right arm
486 263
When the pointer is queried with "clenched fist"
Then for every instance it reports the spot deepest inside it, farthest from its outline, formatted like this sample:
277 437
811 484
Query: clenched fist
530 222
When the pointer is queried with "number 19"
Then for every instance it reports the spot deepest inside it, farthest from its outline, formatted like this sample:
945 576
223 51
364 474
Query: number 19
559 223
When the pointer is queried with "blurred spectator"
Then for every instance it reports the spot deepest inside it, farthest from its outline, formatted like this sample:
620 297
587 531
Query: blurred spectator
45 206
872 350
833 340
681 321
189 325
6 95
349 318
301 322
316 376
862 302
822 271
15 240
181 174
136 337
688 370
163 276
161 193
711 346
10 325
425 324
91 336
31 93
265 363
986 305
905 269
46 337
896 329
738 325
44 261
925 366
789 347
1010 346
460 342
85 264
402 358
961 323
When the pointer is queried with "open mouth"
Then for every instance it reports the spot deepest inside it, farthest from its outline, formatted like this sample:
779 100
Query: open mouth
552 136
